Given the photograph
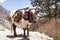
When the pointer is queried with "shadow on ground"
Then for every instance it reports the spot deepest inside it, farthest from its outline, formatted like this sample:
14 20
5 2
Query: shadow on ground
23 37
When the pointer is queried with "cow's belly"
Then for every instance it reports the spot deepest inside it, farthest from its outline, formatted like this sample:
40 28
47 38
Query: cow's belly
23 23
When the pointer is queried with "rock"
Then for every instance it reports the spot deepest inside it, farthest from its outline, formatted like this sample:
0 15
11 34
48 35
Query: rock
1 28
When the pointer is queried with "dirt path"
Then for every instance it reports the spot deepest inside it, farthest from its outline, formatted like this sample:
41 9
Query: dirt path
7 35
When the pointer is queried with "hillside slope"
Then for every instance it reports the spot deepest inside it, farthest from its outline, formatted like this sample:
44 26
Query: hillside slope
3 12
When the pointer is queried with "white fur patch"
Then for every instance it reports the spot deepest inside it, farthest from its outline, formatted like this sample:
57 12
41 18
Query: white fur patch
33 10
12 12
23 11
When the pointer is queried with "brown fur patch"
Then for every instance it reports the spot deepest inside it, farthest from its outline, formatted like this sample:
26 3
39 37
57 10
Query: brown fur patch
19 16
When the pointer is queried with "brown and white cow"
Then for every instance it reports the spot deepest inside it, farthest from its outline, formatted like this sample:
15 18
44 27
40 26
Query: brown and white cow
23 18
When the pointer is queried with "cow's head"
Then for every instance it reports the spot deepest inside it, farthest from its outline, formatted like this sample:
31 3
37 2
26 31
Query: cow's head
32 15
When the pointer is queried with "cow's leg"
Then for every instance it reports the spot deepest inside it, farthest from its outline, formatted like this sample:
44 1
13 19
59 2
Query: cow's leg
24 31
14 29
27 31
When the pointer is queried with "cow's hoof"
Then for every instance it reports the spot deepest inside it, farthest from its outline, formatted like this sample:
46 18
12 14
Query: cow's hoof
24 36
15 35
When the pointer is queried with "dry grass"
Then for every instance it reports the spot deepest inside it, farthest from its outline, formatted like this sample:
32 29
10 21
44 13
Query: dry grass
49 27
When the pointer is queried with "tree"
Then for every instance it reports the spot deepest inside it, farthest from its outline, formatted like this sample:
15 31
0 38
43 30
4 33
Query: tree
46 5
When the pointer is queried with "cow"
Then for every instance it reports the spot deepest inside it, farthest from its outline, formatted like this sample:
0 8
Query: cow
23 18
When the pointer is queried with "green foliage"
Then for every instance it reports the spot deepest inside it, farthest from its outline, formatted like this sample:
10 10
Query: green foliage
8 18
45 5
